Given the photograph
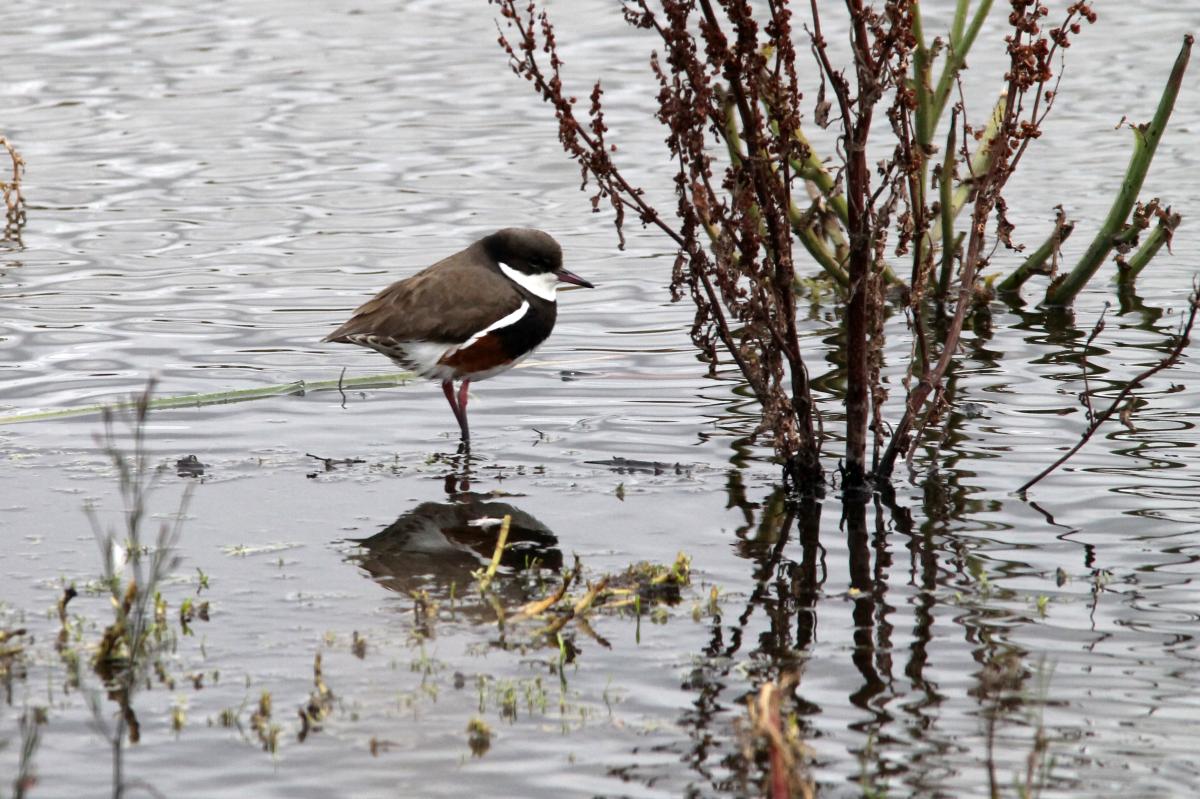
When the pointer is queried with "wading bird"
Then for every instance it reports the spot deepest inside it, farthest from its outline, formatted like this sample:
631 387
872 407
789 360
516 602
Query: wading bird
468 317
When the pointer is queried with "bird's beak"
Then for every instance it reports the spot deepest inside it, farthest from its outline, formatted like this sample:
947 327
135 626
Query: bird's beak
570 277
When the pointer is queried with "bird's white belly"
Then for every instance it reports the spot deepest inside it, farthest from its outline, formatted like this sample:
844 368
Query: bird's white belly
424 357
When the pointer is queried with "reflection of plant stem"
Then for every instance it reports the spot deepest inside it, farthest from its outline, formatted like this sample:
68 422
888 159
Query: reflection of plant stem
31 736
867 758
1005 678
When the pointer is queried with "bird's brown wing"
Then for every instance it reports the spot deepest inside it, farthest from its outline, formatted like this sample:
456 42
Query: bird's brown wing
448 302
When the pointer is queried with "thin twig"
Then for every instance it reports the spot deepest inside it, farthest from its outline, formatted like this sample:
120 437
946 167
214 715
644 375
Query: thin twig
1181 342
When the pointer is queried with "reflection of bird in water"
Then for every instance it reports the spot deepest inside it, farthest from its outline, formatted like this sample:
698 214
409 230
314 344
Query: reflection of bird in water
439 544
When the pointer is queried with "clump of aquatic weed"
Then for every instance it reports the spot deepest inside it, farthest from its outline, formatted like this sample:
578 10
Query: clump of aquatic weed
479 736
558 621
564 613
541 622
319 705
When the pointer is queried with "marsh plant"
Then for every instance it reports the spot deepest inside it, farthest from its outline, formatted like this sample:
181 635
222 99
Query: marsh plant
10 190
905 213
135 563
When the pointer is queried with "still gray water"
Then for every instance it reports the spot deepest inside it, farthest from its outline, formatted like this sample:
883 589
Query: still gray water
213 186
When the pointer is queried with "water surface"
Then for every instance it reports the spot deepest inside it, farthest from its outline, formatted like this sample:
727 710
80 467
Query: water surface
213 186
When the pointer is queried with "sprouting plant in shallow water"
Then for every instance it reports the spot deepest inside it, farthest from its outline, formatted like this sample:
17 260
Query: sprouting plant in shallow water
134 567
319 705
479 736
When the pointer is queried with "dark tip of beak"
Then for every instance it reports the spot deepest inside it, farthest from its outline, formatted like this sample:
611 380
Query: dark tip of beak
570 277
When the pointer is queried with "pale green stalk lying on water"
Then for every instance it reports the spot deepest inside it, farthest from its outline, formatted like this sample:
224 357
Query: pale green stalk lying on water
218 397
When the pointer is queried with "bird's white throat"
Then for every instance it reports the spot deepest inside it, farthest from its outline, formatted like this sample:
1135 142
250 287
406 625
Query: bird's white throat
543 284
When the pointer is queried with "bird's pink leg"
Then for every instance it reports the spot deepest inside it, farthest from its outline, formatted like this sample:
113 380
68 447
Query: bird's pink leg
462 407
459 406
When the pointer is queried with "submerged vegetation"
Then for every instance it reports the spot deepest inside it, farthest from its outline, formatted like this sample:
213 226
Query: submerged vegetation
881 219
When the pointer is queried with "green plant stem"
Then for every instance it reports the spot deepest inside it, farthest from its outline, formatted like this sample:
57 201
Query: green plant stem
219 397
1127 271
931 104
802 223
921 83
960 45
1129 236
1145 142
979 164
813 170
960 20
802 226
946 202
733 134
1035 264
